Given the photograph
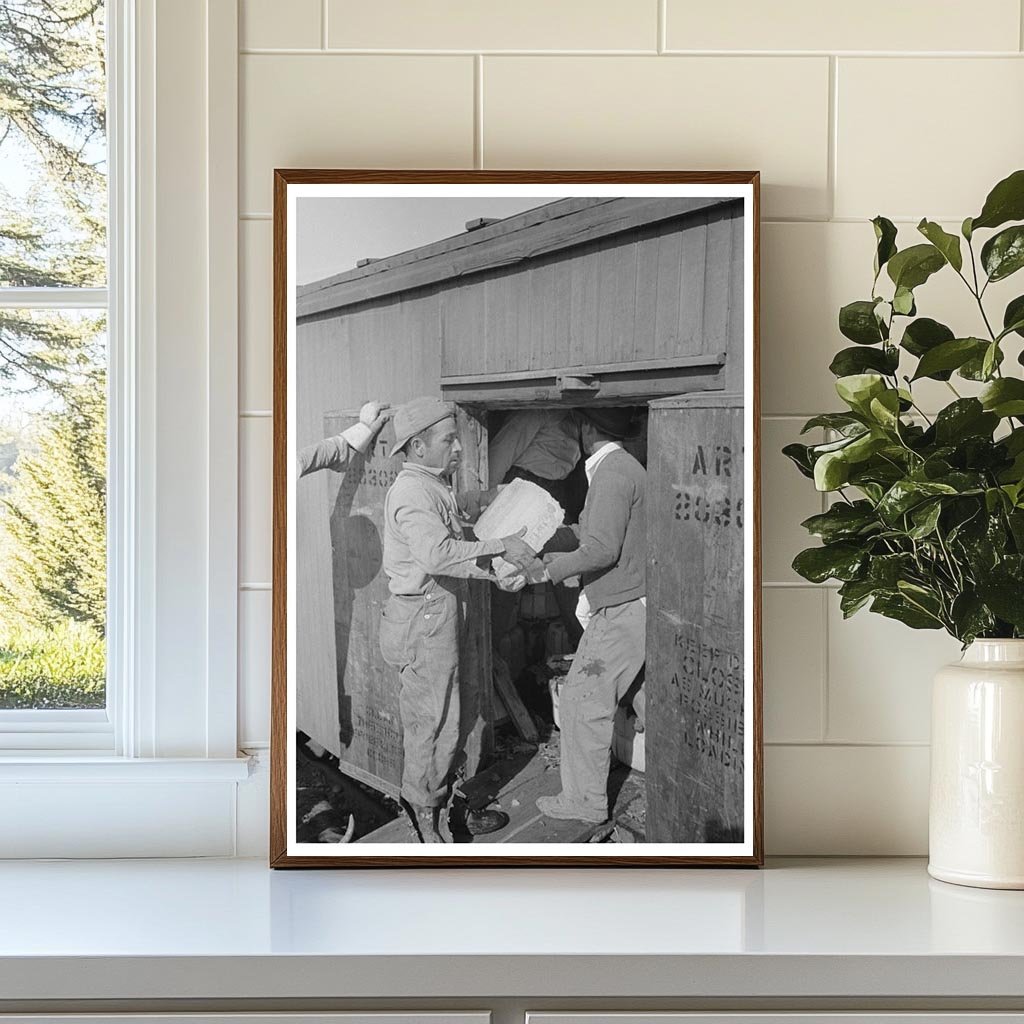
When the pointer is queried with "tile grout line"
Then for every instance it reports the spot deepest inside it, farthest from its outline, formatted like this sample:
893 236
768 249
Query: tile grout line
323 24
298 51
851 744
1020 25
478 111
662 41
831 171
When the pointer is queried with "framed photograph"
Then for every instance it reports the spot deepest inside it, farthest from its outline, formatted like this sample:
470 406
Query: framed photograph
516 587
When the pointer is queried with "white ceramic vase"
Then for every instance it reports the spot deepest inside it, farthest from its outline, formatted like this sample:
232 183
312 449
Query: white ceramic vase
976 813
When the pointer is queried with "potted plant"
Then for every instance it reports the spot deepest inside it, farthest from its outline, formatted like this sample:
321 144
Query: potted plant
927 521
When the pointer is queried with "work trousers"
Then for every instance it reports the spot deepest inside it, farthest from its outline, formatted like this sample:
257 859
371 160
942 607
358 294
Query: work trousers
421 637
607 661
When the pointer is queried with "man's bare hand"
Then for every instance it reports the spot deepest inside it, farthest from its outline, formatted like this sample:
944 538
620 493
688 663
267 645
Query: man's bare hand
375 415
516 551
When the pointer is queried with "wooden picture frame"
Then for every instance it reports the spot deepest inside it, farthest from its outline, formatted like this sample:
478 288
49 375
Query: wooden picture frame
621 289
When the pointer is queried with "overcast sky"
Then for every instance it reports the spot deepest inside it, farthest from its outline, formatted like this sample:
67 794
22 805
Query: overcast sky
333 233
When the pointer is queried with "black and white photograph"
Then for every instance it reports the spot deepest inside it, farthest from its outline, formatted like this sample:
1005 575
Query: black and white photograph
515 614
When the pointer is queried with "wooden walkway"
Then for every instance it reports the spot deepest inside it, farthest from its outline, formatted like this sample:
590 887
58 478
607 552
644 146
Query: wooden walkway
513 785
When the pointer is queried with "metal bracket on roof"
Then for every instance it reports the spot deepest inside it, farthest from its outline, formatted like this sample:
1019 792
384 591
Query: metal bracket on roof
581 383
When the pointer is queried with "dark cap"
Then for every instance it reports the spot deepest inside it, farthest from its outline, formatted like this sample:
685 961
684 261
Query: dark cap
616 423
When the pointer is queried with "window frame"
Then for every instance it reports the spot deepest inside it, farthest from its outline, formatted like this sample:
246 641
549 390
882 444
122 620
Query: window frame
92 730
172 459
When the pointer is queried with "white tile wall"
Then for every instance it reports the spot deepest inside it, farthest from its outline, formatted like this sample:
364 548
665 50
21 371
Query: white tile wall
945 104
925 116
699 113
505 25
873 25
329 110
261 26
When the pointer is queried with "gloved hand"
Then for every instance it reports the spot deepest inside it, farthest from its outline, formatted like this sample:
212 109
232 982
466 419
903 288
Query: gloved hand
375 414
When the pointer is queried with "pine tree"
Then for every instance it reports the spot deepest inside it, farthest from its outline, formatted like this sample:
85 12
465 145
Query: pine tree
53 234
52 121
54 520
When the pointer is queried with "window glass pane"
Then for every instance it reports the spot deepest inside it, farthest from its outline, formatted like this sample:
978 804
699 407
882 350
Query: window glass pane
52 508
53 150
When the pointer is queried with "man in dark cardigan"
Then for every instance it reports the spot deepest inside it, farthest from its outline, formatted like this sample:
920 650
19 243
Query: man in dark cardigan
611 559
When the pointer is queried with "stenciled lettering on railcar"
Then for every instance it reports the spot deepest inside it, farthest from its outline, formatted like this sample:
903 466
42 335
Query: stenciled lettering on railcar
383 741
708 683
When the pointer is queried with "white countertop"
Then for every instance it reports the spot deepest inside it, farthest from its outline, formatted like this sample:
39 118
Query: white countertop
235 929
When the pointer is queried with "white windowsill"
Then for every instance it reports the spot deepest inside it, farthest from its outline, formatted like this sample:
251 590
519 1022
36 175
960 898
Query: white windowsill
81 767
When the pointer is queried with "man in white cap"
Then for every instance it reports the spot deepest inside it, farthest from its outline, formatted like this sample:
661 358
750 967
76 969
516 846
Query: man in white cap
335 452
428 564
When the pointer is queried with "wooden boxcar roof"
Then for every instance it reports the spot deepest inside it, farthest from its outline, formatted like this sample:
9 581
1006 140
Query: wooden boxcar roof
546 229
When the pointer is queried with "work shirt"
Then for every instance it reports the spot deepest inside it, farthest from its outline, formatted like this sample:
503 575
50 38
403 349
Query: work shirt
334 452
611 557
544 442
423 532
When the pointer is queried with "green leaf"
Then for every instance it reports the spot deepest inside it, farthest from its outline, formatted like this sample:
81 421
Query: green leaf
849 361
799 455
971 617
1013 317
990 360
854 594
925 518
1005 597
857 321
1003 254
841 421
966 417
974 368
965 229
885 409
950 355
1004 397
840 561
831 471
885 237
1005 202
906 494
843 521
897 607
912 267
925 334
858 389
947 244
887 570
903 302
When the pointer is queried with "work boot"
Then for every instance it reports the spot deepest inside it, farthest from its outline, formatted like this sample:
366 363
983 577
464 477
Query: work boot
428 824
464 822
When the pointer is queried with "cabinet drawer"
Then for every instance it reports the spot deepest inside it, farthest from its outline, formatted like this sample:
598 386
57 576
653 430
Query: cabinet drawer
360 1017
789 1017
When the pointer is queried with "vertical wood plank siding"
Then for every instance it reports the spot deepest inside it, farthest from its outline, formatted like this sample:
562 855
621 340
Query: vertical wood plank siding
694 674
654 292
